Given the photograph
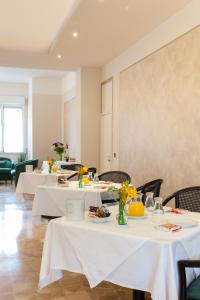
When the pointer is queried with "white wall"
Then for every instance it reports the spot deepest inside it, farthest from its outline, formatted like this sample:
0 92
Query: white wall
30 127
14 89
174 27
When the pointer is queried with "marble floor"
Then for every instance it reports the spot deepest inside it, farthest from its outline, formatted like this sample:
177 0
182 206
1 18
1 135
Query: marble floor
21 245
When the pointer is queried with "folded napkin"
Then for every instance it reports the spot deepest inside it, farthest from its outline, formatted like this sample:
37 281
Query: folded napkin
177 211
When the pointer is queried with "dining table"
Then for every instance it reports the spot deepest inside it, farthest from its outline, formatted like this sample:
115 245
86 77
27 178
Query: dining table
28 182
52 200
136 256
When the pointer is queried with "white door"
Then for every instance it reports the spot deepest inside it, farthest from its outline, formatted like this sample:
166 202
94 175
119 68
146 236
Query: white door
106 127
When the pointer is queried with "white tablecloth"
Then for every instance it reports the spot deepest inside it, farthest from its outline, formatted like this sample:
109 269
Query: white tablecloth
51 201
137 256
28 182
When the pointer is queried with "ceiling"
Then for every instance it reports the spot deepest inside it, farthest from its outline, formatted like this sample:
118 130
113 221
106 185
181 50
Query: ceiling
34 32
32 25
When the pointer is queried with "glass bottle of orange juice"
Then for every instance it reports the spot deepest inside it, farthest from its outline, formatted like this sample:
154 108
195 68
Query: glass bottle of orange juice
136 206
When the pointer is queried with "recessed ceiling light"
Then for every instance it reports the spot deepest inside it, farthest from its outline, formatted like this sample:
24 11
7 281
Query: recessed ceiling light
75 34
59 56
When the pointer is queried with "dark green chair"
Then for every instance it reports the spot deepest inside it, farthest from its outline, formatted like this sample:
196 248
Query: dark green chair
6 167
21 167
192 292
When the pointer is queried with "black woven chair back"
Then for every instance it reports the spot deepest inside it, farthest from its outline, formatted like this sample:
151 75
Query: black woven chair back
151 186
115 176
188 198
73 177
72 167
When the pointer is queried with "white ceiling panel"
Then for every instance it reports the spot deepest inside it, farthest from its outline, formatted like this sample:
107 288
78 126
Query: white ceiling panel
34 32
32 25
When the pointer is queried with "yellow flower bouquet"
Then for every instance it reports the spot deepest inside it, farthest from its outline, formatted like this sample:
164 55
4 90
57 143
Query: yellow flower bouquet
122 194
81 171
50 163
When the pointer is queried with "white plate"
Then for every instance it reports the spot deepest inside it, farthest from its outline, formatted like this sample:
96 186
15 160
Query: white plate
183 222
100 187
168 209
137 217
99 220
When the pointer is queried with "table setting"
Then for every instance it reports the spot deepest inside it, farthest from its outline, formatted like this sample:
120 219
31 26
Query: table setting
28 181
52 199
131 244
128 255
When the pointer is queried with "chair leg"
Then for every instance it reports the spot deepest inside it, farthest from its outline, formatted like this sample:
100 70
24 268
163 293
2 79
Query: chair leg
138 295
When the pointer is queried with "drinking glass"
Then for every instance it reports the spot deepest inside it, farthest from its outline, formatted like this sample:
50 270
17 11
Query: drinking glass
96 178
149 202
91 177
158 212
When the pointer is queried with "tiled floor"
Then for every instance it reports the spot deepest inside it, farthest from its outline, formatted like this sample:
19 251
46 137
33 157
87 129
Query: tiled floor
21 245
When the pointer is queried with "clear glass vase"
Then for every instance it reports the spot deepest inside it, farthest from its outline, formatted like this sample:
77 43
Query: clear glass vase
60 156
122 215
80 181
50 169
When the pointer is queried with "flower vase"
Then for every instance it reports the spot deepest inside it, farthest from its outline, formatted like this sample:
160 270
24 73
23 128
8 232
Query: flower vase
60 156
80 181
122 216
50 169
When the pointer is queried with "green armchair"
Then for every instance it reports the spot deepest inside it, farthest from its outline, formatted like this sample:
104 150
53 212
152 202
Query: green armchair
6 167
21 167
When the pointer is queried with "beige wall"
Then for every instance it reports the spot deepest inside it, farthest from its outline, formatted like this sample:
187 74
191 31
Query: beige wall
71 114
179 24
46 115
90 116
71 127
81 118
160 115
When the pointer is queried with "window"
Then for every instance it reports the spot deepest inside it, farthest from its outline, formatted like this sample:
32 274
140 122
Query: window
11 133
